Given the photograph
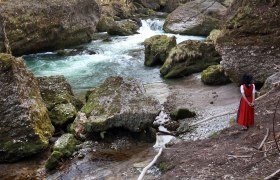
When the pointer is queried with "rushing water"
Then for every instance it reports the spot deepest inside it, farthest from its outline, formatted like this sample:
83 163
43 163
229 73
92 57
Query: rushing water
123 56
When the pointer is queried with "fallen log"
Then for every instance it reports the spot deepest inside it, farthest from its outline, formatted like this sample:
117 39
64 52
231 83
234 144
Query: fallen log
208 119
273 176
264 139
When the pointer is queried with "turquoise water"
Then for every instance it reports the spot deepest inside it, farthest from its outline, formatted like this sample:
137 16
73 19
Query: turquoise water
122 56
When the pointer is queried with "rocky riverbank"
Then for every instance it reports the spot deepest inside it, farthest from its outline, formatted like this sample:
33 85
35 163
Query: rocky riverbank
89 139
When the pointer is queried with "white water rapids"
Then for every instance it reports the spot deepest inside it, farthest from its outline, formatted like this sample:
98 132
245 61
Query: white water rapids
123 56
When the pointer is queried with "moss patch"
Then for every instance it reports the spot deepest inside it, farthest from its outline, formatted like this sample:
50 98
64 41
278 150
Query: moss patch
182 113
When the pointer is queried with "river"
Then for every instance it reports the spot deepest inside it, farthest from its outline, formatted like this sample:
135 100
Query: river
121 56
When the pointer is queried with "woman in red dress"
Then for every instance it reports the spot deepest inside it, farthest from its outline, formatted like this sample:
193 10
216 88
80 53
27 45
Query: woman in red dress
245 116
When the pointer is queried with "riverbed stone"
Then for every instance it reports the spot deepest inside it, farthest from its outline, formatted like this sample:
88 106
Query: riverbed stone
157 49
249 43
104 23
59 99
189 57
64 147
197 17
182 113
35 26
61 114
117 103
214 75
270 82
25 126
123 28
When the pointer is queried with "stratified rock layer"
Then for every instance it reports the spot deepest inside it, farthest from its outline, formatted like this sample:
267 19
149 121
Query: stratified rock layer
33 26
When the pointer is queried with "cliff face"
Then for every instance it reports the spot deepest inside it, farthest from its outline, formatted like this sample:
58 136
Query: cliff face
33 26
250 40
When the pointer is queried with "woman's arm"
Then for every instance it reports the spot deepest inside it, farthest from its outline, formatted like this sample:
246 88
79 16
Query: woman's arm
243 95
253 95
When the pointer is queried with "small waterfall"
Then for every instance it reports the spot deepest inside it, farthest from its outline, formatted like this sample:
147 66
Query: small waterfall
152 25
122 56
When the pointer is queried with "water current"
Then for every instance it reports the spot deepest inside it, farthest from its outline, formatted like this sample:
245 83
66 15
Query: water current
123 56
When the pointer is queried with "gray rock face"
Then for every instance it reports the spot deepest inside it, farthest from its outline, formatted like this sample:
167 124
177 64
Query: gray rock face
255 60
117 103
59 99
270 82
123 28
151 4
197 17
189 57
25 126
47 25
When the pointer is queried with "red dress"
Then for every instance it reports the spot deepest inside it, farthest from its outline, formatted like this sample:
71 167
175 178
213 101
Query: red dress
246 112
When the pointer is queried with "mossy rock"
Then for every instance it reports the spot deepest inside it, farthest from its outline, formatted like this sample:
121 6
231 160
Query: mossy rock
189 57
123 28
214 75
61 114
53 161
25 126
66 145
5 61
157 49
214 35
117 103
182 113
104 23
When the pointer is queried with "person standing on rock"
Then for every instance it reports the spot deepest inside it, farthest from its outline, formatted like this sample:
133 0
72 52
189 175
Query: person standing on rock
245 116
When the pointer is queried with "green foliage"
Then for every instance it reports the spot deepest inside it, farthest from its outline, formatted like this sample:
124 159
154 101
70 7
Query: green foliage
164 166
53 160
214 135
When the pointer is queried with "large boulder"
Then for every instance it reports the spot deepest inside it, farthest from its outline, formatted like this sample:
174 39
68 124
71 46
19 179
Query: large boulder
189 57
249 43
25 126
171 5
33 26
59 99
151 4
104 23
157 48
266 106
270 82
197 17
123 28
214 75
117 103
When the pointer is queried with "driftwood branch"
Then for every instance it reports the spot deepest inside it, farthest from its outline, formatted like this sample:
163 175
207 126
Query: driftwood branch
273 125
244 156
149 165
264 139
212 117
273 176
